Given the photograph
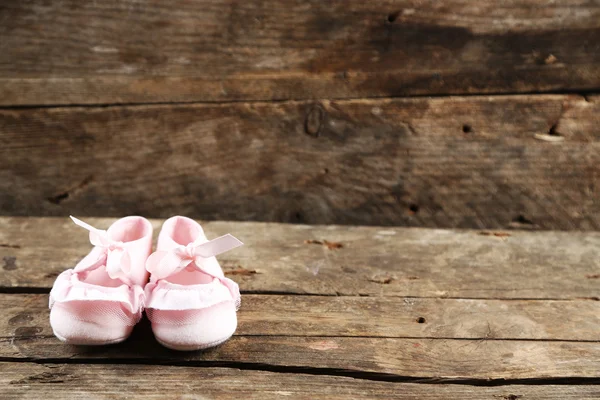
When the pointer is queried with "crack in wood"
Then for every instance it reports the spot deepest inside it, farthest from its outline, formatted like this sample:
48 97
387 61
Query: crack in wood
45 377
10 246
59 198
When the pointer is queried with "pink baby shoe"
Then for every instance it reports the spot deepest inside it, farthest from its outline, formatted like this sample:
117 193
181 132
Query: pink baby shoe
190 302
102 298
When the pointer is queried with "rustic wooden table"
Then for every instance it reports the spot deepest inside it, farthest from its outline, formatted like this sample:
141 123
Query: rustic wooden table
332 312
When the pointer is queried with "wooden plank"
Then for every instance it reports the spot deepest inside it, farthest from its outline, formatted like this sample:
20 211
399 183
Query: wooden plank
424 318
398 261
448 359
64 381
477 162
25 334
324 316
212 50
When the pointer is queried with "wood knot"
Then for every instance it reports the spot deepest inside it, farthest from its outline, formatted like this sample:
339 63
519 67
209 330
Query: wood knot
27 331
314 121
10 263
21 318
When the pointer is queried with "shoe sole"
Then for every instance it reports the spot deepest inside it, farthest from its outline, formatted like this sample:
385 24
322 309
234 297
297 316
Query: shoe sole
192 347
88 343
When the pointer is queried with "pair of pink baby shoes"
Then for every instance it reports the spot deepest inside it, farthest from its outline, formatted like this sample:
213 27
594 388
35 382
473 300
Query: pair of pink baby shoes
189 301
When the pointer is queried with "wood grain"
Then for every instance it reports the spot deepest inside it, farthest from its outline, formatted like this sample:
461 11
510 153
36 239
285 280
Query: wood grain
326 316
478 162
64 381
447 359
25 334
211 50
277 259
333 346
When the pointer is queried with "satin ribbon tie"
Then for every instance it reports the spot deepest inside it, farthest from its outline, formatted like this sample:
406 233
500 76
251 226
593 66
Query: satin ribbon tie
162 264
112 254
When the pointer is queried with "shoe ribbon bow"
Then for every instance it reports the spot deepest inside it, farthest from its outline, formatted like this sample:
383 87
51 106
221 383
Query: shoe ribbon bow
108 252
162 264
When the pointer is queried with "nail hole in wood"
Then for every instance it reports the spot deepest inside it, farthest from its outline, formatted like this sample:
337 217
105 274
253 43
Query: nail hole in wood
467 128
421 320
552 131
521 219
391 18
414 208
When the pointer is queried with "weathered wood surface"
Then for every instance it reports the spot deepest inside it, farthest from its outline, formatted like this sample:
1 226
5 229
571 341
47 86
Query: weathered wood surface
327 316
212 50
452 360
26 335
60 381
477 162
373 261
375 346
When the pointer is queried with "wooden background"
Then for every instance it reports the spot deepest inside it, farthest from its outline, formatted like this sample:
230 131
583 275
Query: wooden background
468 114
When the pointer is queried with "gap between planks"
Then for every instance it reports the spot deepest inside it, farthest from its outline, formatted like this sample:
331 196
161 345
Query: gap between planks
46 290
583 94
12 338
333 372
34 381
